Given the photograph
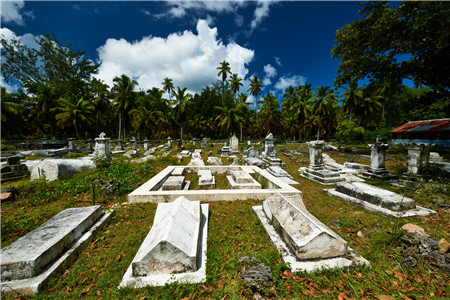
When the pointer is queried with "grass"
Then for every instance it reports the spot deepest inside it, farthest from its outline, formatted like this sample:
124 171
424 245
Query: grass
234 232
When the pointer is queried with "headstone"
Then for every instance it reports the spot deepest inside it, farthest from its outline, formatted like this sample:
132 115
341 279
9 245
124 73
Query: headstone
225 150
146 144
71 144
204 143
269 146
235 161
252 152
194 141
102 146
315 153
306 237
234 144
196 159
119 146
133 143
418 157
169 143
29 255
172 244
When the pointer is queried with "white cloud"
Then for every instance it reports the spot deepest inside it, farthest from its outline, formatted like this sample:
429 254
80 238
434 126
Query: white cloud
270 71
294 81
11 12
277 60
261 12
189 59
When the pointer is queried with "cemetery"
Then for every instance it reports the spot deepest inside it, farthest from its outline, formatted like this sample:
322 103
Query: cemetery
198 157
294 218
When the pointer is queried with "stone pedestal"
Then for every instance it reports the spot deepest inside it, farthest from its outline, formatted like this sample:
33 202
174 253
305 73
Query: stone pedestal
102 146
225 151
377 167
418 157
146 144
169 143
204 143
316 170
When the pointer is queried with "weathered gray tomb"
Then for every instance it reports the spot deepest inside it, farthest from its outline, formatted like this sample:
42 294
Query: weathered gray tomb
30 261
175 247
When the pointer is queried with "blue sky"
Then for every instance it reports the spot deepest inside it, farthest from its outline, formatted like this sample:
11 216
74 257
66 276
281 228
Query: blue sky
285 43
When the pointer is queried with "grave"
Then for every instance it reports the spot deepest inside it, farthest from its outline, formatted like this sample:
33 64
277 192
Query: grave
175 183
214 161
178 171
29 262
174 249
253 159
146 141
378 162
234 144
169 143
58 169
133 143
242 180
316 170
13 169
185 153
204 143
196 159
71 144
282 174
119 146
151 190
377 200
102 146
225 150
269 146
206 179
303 241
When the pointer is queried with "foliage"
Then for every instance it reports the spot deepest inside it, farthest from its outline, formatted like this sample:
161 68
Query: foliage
406 41
349 131
371 135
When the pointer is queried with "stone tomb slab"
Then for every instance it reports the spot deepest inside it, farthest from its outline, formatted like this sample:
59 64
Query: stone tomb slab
242 180
351 259
173 183
377 200
175 248
29 262
278 172
206 179
178 171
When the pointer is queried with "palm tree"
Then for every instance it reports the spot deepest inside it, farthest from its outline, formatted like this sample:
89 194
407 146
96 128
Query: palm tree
224 70
352 98
302 109
125 97
235 84
73 112
322 100
271 116
229 118
146 117
101 101
168 86
255 89
182 99
11 113
369 104
45 101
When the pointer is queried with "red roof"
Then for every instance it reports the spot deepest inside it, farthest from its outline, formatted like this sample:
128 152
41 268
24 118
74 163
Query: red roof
442 125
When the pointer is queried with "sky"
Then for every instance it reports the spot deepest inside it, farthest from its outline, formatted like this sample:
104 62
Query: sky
283 42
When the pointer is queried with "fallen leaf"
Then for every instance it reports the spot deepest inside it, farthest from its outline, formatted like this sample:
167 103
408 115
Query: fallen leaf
51 290
385 297
220 285
66 272
98 292
89 287
404 296
299 279
286 274
68 289
341 296
326 292
288 286
118 257
94 269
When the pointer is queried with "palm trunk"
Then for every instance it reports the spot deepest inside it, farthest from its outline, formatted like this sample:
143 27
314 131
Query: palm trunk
76 131
120 124
350 116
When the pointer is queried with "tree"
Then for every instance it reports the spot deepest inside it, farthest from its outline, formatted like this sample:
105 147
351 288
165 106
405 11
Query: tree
255 88
182 99
73 112
11 113
149 115
235 84
102 106
224 70
352 98
168 86
49 65
322 99
409 41
125 97
271 118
